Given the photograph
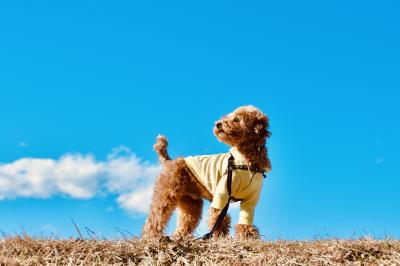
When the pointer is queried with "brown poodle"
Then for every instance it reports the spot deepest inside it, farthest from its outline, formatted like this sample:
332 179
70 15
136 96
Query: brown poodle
184 182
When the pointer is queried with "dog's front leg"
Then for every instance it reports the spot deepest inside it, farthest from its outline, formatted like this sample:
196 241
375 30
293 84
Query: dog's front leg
223 229
246 231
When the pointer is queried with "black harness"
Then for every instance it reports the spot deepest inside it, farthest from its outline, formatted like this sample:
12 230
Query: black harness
229 170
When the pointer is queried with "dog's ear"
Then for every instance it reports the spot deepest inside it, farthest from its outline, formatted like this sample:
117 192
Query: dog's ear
261 126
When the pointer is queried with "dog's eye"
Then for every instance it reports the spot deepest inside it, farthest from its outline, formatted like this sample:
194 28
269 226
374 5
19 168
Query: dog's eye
236 120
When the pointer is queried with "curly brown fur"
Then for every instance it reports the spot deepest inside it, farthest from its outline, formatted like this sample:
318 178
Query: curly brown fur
189 215
161 148
246 128
245 231
176 187
223 229
173 186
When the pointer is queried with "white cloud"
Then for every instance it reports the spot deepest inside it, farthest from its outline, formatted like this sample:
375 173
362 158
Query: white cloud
126 172
74 175
82 177
137 200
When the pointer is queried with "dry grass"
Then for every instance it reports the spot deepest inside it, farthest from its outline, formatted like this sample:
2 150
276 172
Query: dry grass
28 251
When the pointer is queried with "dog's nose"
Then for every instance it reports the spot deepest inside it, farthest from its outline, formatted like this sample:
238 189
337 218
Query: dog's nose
218 125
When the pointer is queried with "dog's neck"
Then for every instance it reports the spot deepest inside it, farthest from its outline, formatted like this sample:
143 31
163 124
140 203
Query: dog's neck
239 157
255 153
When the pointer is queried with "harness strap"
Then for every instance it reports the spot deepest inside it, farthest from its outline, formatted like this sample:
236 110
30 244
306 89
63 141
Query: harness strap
229 170
245 167
225 209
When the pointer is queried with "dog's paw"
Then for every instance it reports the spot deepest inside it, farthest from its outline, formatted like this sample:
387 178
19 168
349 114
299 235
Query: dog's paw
245 231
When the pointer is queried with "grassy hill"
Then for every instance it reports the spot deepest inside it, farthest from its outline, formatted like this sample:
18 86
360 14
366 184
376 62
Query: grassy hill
28 251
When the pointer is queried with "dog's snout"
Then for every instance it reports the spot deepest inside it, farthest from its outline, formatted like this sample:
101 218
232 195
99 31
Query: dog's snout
218 125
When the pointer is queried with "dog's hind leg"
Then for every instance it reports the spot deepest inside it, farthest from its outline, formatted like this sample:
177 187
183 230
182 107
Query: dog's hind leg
174 182
189 215
163 204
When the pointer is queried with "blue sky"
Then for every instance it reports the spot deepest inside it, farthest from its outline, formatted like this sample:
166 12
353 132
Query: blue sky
85 87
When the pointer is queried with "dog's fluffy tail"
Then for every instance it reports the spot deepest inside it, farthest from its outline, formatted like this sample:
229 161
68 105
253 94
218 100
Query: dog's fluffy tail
161 148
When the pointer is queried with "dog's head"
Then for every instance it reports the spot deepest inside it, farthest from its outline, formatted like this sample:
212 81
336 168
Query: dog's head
246 123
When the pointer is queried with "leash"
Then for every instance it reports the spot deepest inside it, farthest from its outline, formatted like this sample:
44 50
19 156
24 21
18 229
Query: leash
229 170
